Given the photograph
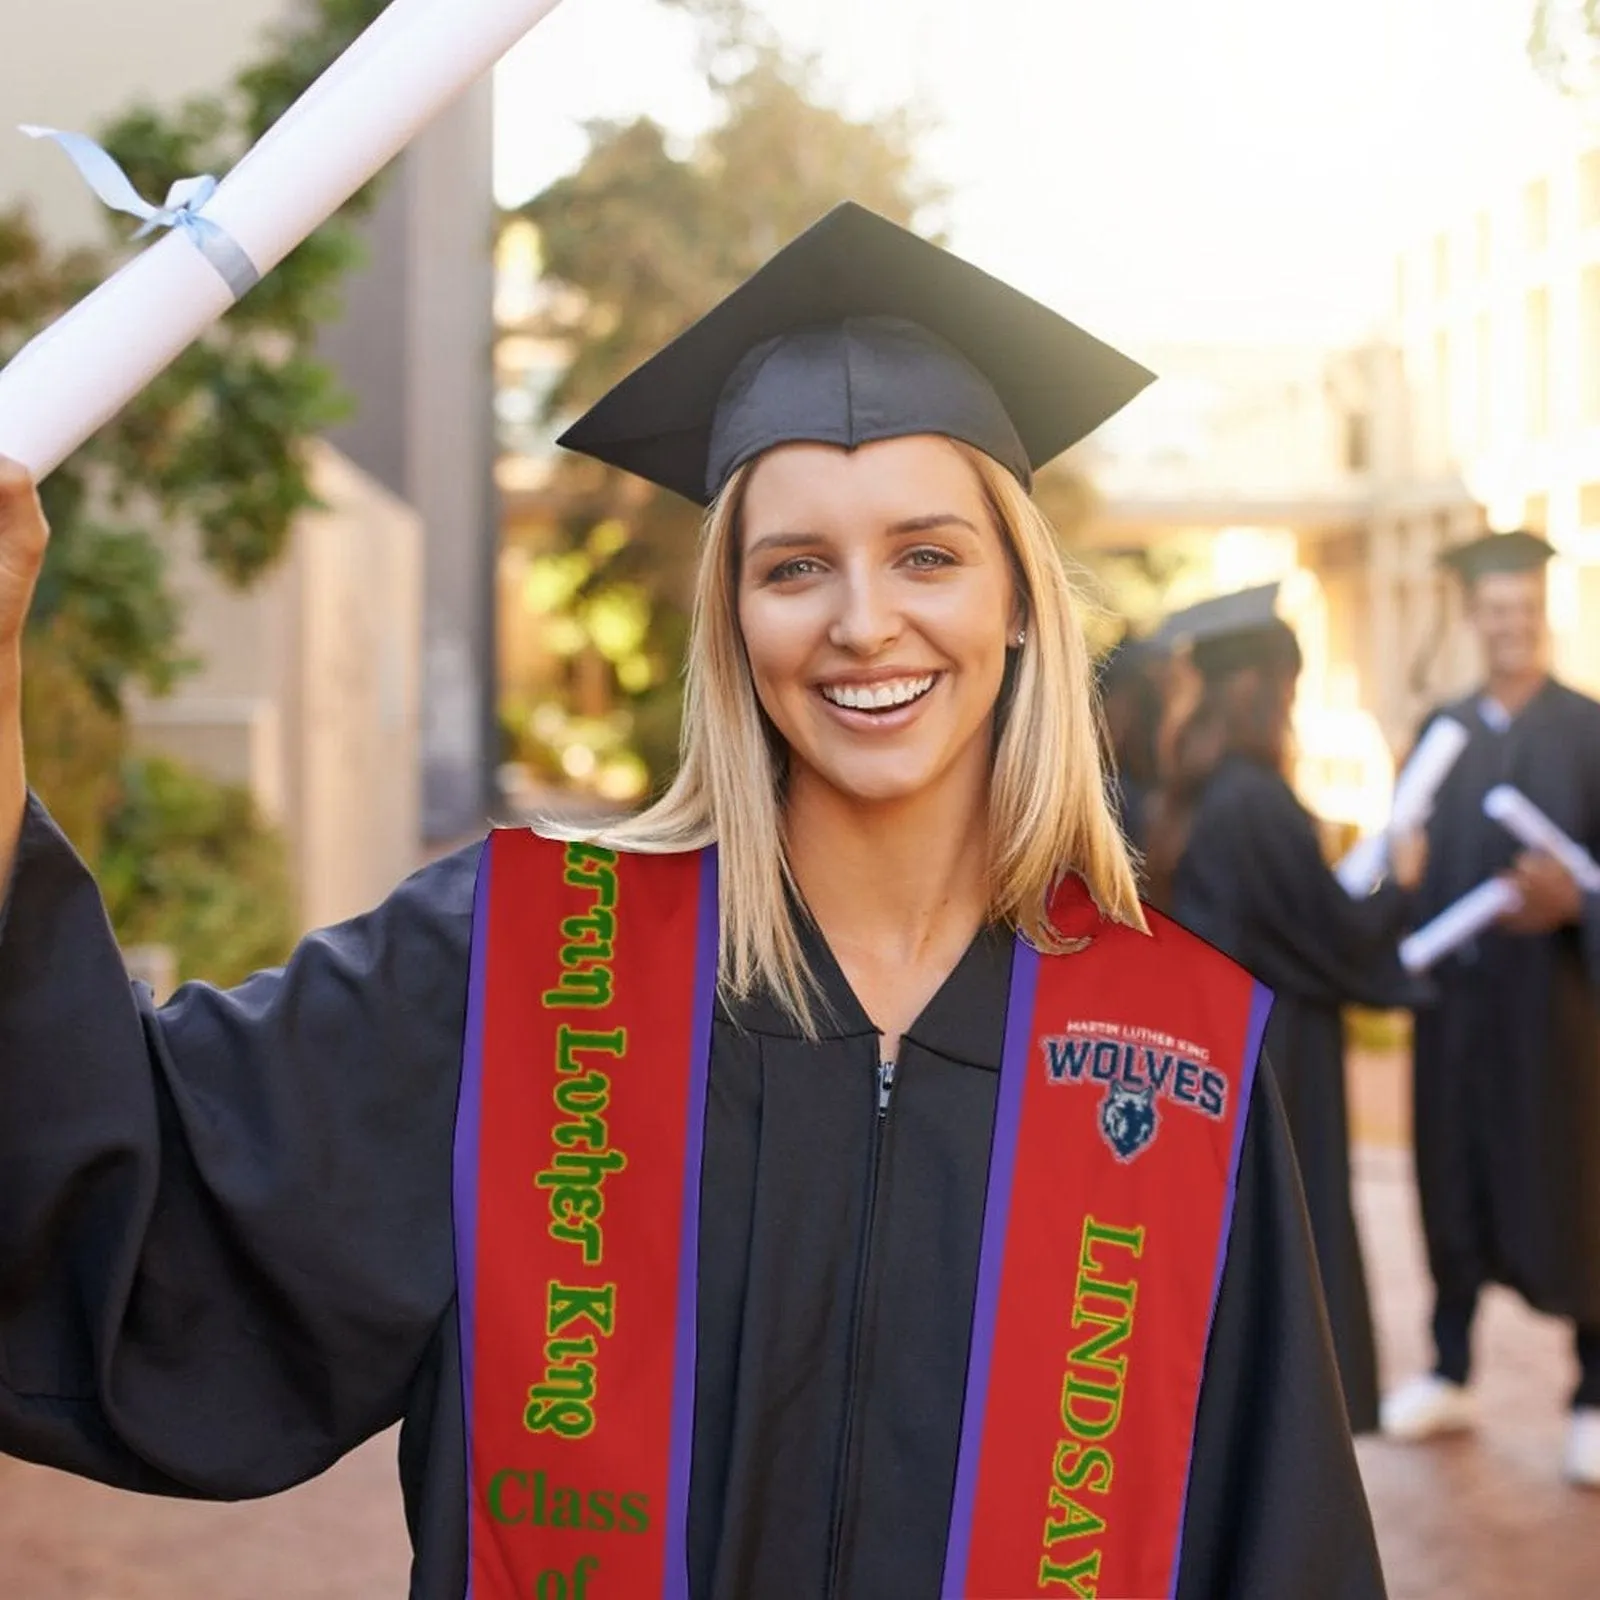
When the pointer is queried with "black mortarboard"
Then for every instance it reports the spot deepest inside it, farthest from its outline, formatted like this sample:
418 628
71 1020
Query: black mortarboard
1517 551
1243 611
1230 631
857 331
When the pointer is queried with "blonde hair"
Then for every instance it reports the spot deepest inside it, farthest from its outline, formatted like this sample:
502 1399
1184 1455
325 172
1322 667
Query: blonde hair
1048 811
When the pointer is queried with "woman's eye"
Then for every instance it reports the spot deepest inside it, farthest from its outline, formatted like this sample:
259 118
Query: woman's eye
794 567
926 557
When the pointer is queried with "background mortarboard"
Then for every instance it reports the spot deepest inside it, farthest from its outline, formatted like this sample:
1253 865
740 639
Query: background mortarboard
1223 615
1231 631
1517 551
848 285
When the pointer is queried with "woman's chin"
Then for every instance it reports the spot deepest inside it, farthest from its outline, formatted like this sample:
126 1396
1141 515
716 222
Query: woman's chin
875 785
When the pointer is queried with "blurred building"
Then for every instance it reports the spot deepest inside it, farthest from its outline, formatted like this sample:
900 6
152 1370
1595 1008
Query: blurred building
416 345
1252 464
1345 473
1498 325
310 694
411 494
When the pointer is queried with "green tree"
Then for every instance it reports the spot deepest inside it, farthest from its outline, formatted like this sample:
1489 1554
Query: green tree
636 243
215 445
1564 43
185 863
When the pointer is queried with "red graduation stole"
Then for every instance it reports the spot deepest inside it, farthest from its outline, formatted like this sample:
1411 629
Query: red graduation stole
1123 1091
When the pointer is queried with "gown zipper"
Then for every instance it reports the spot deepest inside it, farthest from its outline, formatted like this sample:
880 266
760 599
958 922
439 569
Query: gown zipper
885 1079
885 1089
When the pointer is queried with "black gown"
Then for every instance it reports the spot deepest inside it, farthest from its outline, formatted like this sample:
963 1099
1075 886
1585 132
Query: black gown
1254 883
225 1259
1508 1057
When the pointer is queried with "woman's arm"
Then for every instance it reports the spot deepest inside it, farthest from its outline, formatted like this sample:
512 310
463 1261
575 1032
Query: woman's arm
1257 854
225 1223
23 536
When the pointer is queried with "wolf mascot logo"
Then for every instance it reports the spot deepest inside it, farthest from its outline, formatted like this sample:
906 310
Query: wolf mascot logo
1138 1069
1128 1119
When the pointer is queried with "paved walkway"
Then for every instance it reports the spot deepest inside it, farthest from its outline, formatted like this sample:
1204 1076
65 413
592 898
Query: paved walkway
1487 1519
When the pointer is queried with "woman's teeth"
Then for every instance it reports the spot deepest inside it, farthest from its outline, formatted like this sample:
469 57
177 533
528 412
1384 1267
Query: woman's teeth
878 696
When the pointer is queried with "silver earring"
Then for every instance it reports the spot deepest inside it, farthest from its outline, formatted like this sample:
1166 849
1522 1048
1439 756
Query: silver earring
1020 640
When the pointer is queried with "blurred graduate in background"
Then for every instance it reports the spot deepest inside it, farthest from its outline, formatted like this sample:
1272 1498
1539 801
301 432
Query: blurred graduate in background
1507 1076
1130 696
1236 858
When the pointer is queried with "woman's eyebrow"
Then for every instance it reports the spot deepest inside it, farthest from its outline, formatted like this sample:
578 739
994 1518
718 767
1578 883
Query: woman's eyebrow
928 524
782 541
924 524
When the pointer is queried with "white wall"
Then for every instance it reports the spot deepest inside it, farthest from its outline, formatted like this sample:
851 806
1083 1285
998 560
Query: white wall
310 692
74 64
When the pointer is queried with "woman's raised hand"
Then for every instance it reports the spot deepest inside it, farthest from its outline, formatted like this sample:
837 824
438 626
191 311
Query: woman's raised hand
23 536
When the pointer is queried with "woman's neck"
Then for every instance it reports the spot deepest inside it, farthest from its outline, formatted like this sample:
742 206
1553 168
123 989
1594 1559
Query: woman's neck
906 879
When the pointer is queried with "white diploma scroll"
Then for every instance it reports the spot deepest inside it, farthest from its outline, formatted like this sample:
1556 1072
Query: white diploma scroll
1360 869
417 57
1414 793
1456 924
1521 818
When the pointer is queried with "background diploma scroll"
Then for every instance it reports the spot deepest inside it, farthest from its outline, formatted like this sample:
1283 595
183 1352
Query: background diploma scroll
417 57
1521 818
1457 923
1414 793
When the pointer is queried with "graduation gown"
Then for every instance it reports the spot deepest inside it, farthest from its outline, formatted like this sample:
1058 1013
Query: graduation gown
1507 1080
226 1258
1254 883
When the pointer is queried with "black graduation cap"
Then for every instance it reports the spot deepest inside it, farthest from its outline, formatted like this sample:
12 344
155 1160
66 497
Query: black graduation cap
1517 551
1231 630
857 331
1243 611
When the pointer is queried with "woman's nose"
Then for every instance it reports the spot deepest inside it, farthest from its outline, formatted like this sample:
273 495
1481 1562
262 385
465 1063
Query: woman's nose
867 619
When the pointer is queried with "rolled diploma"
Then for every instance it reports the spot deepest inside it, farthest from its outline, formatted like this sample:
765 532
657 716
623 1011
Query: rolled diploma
1464 920
1414 793
1521 818
94 359
396 16
1361 867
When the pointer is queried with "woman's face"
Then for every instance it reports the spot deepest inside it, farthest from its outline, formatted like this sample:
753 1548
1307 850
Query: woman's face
876 601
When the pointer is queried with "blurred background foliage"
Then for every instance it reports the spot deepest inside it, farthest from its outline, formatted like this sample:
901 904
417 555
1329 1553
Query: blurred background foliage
1564 44
185 863
213 450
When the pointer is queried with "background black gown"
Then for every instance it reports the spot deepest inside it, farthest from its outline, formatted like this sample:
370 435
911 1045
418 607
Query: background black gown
1253 881
225 1259
1508 1057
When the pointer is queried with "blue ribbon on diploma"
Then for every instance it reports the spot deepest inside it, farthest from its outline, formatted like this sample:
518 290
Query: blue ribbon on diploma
182 212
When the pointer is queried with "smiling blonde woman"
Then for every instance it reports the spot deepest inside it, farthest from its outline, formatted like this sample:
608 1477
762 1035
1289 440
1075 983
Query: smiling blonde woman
829 1183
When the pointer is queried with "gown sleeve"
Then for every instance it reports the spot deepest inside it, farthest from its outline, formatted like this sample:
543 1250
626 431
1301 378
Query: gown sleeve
1276 1505
224 1222
1589 934
1290 921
